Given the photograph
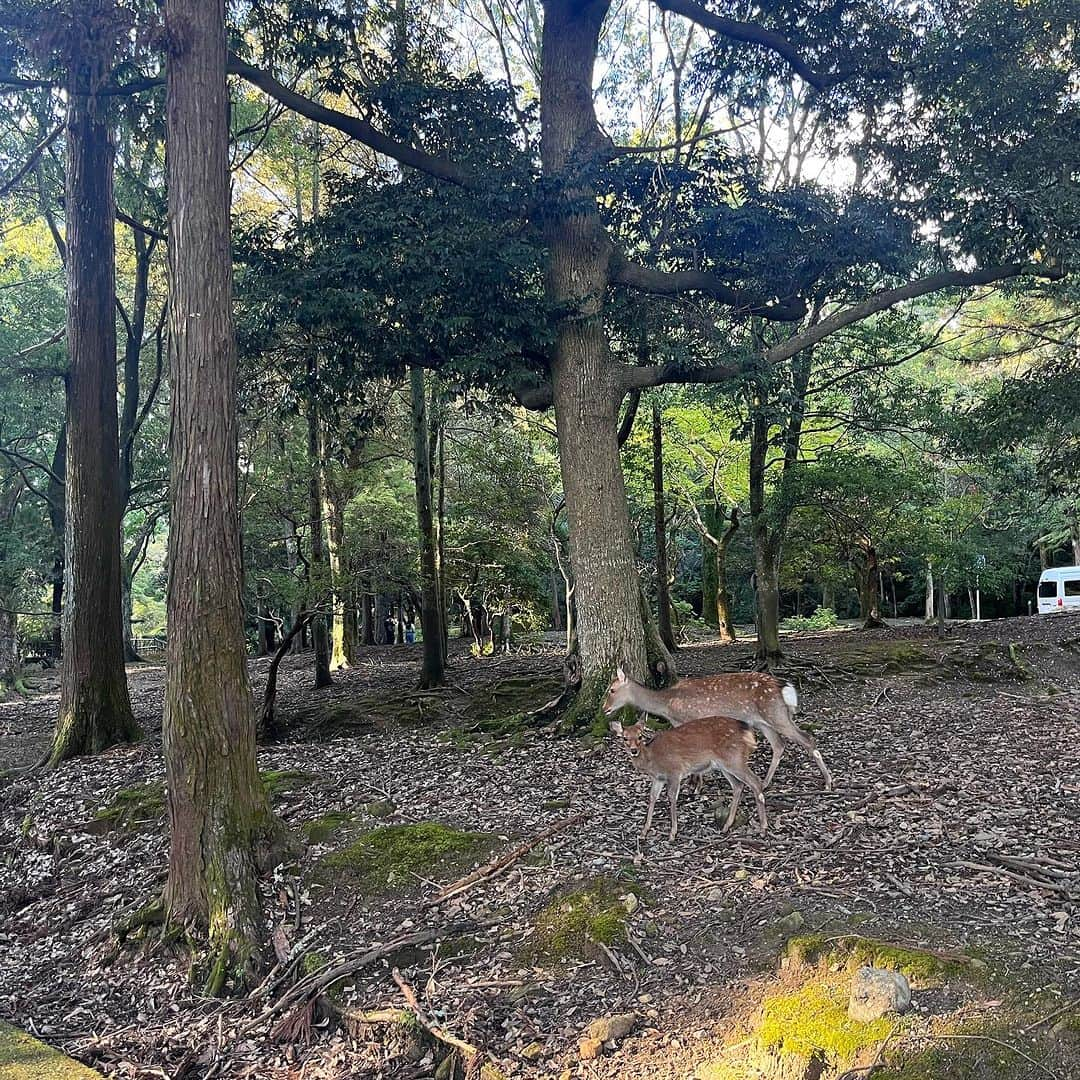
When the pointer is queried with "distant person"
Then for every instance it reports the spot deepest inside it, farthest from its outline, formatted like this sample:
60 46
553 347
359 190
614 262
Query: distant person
388 629
410 633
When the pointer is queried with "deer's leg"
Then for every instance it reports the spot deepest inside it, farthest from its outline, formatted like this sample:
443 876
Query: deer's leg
673 799
782 721
736 797
776 744
654 794
754 784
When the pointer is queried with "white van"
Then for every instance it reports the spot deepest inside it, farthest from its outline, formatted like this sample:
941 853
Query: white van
1059 589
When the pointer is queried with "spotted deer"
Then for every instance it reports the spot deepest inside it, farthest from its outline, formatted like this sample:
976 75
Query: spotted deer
760 700
695 748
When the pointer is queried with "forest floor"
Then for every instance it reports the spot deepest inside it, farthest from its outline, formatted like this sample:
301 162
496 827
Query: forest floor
950 849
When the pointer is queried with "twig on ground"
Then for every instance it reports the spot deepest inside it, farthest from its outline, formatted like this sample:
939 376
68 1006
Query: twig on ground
492 868
470 1052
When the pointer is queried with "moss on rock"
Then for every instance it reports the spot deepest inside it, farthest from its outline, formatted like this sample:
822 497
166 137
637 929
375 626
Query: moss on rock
852 950
570 926
397 855
322 828
813 1020
133 807
278 781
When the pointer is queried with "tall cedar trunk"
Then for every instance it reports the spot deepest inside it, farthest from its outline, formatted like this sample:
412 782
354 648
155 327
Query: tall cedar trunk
9 620
611 625
766 555
319 565
432 670
930 605
436 449
367 619
95 710
663 572
54 494
219 814
292 560
827 598
350 626
941 599
335 518
9 647
725 622
131 654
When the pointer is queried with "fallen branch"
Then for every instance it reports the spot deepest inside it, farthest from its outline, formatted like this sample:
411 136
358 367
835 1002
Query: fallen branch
492 868
470 1052
1023 879
996 1042
314 984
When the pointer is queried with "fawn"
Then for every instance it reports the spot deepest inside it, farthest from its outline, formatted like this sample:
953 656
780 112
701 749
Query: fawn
762 701
697 747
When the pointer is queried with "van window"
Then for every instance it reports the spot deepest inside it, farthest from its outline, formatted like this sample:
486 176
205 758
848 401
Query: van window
1049 588
1072 586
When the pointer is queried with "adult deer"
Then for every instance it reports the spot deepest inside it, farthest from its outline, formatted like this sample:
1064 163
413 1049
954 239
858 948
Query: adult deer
760 700
695 748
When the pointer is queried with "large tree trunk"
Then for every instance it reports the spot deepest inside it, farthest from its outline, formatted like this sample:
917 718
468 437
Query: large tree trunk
611 624
766 548
219 813
9 648
869 584
432 671
319 565
663 571
54 494
725 623
95 710
9 620
335 516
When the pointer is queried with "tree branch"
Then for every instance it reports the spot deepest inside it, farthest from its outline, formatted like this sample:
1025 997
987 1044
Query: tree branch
751 34
882 301
356 127
32 160
673 282
638 378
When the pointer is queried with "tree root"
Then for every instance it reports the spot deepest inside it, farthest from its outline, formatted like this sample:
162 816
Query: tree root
151 914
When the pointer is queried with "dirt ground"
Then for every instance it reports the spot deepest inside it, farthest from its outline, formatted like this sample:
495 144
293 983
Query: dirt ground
954 828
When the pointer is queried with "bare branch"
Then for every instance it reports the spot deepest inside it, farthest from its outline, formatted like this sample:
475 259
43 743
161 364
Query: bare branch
751 34
355 126
674 282
32 159
882 301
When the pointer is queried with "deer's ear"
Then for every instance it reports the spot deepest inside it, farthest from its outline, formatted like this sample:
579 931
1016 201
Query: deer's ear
620 675
616 727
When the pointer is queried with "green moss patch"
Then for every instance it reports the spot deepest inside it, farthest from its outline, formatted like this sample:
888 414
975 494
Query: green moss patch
398 855
25 1058
571 925
995 1048
279 781
851 950
814 1021
322 828
133 807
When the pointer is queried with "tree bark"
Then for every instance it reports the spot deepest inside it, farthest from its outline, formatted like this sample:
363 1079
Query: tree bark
219 814
585 389
432 671
319 566
95 709
725 623
930 605
766 548
335 516
9 620
663 571
54 494
869 582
